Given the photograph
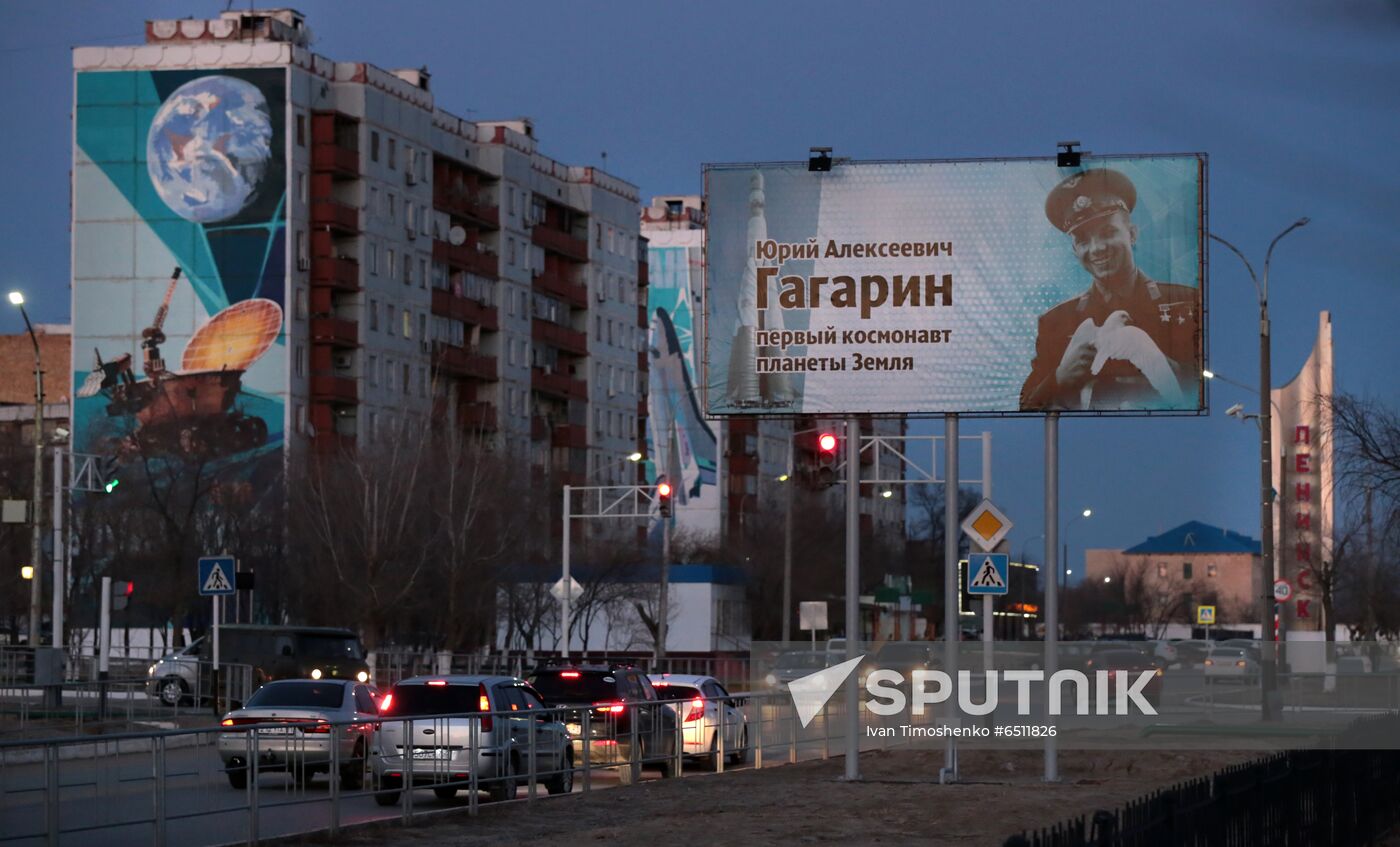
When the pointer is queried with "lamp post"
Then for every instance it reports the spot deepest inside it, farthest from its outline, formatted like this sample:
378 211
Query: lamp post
1269 707
1064 581
36 585
789 480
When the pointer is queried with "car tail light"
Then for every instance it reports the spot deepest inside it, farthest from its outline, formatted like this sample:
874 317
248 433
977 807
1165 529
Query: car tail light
1240 663
226 722
697 710
483 703
320 726
610 707
568 674
1208 662
386 703
437 683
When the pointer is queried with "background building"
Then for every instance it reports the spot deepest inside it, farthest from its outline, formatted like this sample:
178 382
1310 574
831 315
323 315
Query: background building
1168 575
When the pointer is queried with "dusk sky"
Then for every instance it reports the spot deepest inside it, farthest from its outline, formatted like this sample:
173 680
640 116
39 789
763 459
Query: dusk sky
1297 104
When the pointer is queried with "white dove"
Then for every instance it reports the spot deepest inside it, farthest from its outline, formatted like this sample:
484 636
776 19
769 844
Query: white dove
1117 340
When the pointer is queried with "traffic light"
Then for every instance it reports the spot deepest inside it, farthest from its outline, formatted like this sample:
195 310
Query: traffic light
109 474
828 446
663 496
121 594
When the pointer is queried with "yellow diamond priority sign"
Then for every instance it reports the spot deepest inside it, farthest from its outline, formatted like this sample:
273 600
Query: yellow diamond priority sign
986 525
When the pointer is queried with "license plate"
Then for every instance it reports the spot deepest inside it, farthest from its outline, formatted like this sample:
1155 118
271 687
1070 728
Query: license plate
431 753
277 730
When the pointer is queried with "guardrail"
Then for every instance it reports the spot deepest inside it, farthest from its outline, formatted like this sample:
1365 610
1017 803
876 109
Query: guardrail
224 784
77 706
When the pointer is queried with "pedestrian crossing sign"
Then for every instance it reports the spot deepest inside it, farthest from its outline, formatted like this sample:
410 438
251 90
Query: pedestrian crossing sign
1205 615
216 574
987 573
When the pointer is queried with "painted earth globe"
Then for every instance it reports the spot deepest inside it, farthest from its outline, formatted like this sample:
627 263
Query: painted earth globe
209 147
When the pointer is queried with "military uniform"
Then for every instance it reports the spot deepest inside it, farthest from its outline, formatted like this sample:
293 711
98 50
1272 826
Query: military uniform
1169 314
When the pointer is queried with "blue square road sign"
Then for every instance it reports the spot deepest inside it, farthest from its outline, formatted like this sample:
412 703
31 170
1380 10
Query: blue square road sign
987 573
216 575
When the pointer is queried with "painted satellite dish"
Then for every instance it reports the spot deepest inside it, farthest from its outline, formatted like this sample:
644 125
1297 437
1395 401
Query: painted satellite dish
235 338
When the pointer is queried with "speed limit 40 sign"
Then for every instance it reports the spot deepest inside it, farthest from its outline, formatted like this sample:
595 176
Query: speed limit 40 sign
1283 591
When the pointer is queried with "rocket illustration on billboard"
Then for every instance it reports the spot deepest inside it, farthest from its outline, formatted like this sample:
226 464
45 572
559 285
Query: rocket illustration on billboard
746 385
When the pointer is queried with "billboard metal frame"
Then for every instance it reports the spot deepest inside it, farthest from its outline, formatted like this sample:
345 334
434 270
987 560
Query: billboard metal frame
1088 160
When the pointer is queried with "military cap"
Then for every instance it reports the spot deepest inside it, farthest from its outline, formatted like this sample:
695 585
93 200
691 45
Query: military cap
1087 196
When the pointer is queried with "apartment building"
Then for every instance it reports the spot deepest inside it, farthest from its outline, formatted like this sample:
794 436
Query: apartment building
378 258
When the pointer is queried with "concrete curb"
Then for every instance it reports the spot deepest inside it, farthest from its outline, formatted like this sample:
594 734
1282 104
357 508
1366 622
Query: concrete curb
72 750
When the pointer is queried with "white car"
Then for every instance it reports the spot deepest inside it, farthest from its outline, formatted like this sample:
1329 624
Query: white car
1165 652
1230 663
699 702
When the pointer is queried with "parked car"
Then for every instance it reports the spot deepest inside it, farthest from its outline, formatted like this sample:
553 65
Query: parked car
1130 663
611 696
1191 652
1230 663
436 731
1145 650
294 724
1166 653
273 652
699 702
795 664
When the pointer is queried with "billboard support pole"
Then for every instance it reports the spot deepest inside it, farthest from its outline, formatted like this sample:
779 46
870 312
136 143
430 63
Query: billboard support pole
987 625
565 598
951 633
1052 569
852 594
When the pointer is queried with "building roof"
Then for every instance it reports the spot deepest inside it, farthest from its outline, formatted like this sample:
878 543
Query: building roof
1197 537
17 374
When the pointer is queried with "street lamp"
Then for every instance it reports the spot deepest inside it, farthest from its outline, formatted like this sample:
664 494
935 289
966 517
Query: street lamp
1269 709
1065 535
36 587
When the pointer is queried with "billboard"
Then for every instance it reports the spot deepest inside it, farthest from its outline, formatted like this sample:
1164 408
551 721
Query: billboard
980 286
179 270
681 441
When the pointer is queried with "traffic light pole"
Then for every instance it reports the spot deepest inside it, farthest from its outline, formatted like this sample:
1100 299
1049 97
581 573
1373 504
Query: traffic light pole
60 583
852 595
566 596
662 603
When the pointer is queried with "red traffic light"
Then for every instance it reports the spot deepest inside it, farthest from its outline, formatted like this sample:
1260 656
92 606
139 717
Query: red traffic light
130 589
827 442
663 489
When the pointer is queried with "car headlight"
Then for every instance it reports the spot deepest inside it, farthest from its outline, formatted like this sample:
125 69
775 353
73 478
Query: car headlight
151 671
362 676
315 673
771 679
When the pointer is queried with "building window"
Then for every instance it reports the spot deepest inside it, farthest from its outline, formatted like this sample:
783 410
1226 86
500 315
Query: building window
422 273
301 418
408 159
422 325
303 187
302 256
301 130
1210 571
393 264
1162 570
393 207
393 153
374 315
407 376
300 304
407 325
301 360
373 370
373 252
373 146
389 374
373 424
407 269
1185 570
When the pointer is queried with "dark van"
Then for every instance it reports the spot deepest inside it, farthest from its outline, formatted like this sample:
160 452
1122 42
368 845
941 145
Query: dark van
273 652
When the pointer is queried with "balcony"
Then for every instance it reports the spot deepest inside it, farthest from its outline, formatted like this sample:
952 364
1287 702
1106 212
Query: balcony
558 385
335 272
337 332
559 242
744 464
642 274
449 305
334 389
642 316
465 204
458 362
329 157
642 408
561 337
335 215
573 436
467 257
333 443
477 416
643 360
570 292
539 428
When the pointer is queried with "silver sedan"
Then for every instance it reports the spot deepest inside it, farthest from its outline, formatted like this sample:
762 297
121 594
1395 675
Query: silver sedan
293 724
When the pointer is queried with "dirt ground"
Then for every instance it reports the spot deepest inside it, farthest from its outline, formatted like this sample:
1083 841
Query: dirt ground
898 801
